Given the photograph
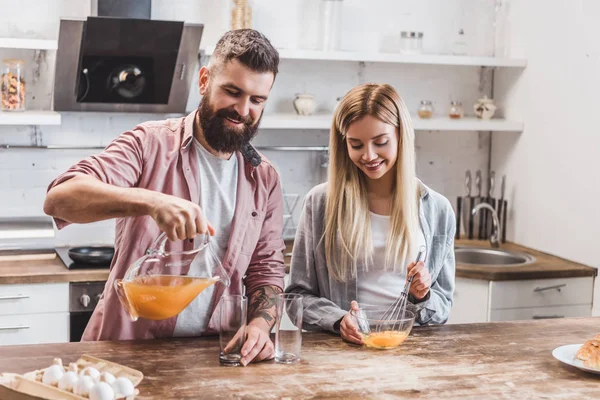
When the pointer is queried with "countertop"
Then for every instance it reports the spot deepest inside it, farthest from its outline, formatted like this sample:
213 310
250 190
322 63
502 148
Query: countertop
545 266
50 270
511 360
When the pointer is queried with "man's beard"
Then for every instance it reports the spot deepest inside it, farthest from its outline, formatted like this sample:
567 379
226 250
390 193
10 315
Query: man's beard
219 136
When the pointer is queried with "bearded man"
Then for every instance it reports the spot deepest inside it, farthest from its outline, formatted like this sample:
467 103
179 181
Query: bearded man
186 177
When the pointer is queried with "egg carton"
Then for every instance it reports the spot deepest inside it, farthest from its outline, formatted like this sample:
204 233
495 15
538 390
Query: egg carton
29 386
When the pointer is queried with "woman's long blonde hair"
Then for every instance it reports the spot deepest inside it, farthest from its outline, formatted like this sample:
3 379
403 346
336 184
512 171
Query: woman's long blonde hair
347 220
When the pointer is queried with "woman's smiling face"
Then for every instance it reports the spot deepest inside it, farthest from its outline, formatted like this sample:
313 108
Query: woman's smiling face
373 146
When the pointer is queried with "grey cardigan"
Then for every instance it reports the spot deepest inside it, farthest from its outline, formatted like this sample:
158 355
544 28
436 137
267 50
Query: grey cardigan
327 299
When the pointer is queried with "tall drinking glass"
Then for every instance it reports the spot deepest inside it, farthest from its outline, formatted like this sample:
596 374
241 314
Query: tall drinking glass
288 328
232 332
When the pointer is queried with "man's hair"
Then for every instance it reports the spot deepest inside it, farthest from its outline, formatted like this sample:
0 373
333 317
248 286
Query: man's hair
249 47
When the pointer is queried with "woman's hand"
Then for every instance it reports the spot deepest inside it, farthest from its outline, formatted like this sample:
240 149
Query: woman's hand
348 328
421 281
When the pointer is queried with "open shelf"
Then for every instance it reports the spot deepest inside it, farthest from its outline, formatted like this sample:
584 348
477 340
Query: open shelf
323 121
431 59
29 117
31 44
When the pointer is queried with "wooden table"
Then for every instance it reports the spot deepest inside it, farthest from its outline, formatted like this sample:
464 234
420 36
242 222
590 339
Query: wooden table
509 360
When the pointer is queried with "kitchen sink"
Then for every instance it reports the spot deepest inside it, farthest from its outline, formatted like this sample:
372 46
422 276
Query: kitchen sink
491 257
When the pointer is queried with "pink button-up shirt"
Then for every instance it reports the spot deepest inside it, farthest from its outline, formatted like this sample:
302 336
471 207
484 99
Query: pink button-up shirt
160 156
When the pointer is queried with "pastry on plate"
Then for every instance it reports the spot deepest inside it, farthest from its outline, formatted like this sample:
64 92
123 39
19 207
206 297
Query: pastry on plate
588 349
589 353
593 361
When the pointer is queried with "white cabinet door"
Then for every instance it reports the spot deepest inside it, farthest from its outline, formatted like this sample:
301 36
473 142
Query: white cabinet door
470 301
542 292
34 328
34 298
515 314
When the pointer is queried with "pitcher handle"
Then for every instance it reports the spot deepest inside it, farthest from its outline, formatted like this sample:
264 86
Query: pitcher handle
158 246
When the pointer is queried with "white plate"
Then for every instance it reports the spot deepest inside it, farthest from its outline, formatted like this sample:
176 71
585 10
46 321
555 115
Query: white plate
567 353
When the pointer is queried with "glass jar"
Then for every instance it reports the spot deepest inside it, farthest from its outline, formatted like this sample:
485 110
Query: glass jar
456 110
411 42
460 45
241 14
331 19
425 110
13 85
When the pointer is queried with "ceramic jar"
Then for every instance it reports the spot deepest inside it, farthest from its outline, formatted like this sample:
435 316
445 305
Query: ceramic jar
338 101
305 104
484 108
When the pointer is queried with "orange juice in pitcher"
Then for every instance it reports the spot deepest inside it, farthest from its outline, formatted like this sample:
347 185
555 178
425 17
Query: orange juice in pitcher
161 284
162 296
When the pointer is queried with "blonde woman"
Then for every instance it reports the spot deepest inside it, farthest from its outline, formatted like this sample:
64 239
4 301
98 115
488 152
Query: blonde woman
360 232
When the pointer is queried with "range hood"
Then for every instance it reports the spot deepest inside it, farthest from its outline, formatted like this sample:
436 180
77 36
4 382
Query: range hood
125 65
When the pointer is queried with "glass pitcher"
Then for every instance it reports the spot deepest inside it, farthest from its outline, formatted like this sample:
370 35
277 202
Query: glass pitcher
168 278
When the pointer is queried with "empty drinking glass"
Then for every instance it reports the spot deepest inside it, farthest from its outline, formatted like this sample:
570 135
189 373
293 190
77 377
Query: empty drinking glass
232 332
288 328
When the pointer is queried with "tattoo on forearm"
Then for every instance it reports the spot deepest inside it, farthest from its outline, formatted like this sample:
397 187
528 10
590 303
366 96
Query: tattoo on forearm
262 304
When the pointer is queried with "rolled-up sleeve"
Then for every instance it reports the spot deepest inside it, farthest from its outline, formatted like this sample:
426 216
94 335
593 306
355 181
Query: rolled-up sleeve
266 266
119 164
436 309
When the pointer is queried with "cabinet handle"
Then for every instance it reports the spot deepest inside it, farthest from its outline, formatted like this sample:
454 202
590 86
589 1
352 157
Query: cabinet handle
543 289
547 316
15 297
13 328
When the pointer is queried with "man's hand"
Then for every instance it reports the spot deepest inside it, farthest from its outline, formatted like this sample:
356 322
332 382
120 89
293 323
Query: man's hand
258 346
261 314
178 218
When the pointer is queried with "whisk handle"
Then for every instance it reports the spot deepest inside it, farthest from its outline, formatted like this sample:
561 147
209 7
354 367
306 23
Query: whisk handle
419 258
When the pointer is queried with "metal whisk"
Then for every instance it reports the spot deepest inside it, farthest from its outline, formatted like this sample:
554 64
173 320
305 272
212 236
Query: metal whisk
396 310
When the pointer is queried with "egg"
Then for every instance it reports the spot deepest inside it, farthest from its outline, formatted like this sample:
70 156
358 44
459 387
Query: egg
107 377
91 371
83 386
123 387
53 374
68 381
102 391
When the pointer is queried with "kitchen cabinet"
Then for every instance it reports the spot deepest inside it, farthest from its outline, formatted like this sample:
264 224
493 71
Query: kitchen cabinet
471 298
490 301
34 313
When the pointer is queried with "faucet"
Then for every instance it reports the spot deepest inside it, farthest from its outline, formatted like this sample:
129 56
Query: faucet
494 237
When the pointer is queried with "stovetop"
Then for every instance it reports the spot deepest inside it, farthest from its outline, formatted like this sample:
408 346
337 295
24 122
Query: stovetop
63 254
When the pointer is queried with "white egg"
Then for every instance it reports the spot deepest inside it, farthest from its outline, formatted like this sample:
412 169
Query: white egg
102 391
68 381
123 387
107 377
83 386
53 374
91 371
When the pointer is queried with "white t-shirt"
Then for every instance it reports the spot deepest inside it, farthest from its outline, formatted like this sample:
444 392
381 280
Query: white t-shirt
375 286
218 189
